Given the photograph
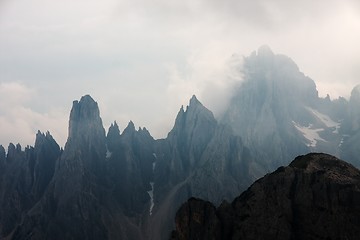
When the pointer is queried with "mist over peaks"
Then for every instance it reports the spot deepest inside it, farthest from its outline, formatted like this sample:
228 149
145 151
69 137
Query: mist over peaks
128 185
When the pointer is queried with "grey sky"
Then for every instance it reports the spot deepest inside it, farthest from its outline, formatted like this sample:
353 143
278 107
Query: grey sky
141 60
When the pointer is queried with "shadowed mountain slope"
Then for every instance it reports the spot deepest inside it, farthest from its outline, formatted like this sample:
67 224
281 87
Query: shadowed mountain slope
316 197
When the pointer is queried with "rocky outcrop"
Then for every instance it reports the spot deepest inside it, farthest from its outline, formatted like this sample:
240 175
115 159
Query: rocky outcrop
130 160
85 147
350 150
198 153
126 185
354 108
186 142
96 189
25 176
277 111
316 197
262 109
73 196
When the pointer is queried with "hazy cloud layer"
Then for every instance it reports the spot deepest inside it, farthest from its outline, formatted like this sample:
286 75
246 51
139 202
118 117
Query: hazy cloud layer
142 60
19 122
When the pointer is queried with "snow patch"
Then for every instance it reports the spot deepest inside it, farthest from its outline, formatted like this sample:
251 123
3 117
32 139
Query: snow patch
108 153
312 135
343 139
341 142
151 194
326 120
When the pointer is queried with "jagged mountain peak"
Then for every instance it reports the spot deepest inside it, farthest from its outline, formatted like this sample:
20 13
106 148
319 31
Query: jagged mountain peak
355 93
113 130
86 144
13 147
13 151
86 108
194 101
143 131
114 125
42 138
268 62
354 109
85 119
113 136
357 87
2 157
2 149
196 106
273 95
195 114
130 132
47 135
130 128
265 51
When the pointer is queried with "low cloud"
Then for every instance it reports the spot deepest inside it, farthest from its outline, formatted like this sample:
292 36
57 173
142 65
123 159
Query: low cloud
19 123
210 74
141 60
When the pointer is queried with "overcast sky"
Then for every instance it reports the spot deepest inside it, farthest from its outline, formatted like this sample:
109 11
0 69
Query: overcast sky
142 59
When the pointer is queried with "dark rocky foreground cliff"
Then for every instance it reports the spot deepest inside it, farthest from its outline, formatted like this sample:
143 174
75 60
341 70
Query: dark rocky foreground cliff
316 197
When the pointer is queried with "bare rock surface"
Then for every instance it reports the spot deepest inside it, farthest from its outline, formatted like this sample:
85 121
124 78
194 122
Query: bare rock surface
316 197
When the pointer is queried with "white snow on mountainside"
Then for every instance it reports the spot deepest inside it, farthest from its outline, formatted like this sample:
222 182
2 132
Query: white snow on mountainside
326 120
108 153
310 134
151 192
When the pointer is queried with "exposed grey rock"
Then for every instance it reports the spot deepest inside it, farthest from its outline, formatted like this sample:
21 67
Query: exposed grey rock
98 189
85 147
2 157
130 167
199 158
103 186
25 176
277 111
350 149
354 104
71 207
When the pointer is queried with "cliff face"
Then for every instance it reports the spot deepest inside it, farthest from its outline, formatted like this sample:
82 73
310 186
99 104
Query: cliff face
350 142
24 177
316 197
198 153
277 112
273 97
126 185
95 189
120 185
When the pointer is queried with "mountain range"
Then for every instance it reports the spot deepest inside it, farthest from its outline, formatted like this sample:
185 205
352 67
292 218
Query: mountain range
127 185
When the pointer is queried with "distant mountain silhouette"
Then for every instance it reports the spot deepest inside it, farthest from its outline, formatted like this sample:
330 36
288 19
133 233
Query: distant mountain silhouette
127 185
278 113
